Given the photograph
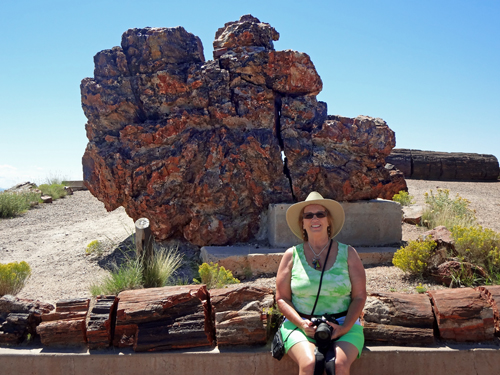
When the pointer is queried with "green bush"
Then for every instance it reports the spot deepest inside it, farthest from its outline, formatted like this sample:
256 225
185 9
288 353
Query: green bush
216 277
413 258
13 277
403 198
56 191
443 210
477 245
12 204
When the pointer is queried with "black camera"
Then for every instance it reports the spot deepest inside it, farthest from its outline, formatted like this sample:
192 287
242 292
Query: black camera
324 331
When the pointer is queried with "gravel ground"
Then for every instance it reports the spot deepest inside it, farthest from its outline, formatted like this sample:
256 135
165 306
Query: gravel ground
52 238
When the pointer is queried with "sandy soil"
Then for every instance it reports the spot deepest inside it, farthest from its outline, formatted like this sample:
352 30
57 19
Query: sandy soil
52 238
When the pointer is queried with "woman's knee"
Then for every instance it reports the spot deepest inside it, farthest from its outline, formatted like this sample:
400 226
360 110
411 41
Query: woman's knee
342 367
307 365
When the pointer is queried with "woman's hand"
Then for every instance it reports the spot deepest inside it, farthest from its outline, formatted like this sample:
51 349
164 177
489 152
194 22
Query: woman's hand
338 330
308 327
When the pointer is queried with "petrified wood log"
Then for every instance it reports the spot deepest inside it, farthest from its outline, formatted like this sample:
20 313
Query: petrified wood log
74 304
400 309
62 332
101 323
240 317
492 294
447 166
397 335
13 327
164 318
463 315
18 317
398 319
66 325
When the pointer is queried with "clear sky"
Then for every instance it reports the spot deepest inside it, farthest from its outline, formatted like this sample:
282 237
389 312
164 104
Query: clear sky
430 68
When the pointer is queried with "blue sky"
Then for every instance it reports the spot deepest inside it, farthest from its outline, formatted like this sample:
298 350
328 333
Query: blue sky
431 69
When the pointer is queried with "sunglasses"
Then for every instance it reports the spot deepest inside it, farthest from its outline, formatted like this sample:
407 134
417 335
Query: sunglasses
310 215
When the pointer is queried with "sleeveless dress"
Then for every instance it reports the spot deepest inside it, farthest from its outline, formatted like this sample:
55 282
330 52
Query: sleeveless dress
335 295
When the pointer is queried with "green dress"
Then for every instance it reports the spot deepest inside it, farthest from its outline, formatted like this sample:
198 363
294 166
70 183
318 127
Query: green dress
335 295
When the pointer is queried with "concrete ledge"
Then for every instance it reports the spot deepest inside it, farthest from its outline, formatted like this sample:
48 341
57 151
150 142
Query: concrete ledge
375 222
251 260
479 360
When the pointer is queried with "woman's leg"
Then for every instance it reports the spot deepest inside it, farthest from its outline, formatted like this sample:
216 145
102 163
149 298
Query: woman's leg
346 354
303 354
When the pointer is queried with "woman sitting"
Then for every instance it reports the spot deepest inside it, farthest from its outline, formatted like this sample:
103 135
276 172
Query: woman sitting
342 293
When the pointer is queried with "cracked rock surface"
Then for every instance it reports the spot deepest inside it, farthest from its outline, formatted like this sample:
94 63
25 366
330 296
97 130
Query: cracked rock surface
201 148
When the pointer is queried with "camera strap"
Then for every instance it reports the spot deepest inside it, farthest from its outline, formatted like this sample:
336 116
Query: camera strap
321 278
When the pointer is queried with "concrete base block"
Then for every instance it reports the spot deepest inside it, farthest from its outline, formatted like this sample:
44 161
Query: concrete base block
244 260
249 260
387 360
375 222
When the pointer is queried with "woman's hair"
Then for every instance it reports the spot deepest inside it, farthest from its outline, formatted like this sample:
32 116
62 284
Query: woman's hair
329 218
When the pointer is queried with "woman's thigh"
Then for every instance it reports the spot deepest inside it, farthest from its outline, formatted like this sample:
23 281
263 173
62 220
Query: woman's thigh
303 354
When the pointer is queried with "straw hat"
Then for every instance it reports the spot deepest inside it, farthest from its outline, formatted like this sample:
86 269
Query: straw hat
334 207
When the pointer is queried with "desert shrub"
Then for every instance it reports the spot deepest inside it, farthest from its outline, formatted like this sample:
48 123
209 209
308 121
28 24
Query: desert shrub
403 198
477 245
160 269
443 210
94 247
124 277
12 204
56 191
413 258
214 276
420 289
138 273
13 277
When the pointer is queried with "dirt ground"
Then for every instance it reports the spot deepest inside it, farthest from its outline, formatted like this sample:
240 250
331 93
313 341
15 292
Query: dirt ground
52 238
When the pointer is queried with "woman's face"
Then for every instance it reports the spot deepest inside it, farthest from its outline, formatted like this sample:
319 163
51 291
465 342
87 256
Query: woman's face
312 223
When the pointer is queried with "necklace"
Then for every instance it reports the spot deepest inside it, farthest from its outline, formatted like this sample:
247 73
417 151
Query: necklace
316 264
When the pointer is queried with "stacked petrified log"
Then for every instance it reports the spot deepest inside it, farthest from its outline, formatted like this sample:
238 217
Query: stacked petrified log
190 316
446 166
100 329
164 318
239 314
462 315
67 325
398 319
492 295
19 317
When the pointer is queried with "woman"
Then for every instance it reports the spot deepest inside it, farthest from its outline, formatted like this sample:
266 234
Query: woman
317 221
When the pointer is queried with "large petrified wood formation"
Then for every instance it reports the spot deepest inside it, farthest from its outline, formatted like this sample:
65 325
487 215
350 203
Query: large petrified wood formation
398 319
20 317
451 166
164 318
463 315
492 294
240 316
196 146
100 327
66 325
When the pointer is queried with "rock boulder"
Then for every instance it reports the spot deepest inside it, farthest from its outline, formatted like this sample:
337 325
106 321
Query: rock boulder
197 146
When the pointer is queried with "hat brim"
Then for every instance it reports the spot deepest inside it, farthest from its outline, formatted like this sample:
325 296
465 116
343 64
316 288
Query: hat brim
334 207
